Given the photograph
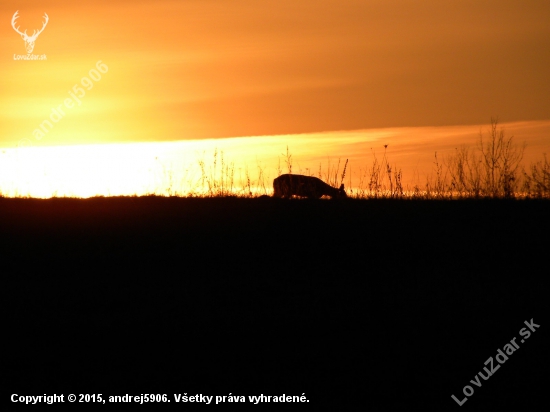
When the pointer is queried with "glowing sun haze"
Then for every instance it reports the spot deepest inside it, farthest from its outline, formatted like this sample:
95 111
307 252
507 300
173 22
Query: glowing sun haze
324 77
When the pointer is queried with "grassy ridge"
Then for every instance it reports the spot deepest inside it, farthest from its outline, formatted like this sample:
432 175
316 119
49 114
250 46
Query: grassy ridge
378 302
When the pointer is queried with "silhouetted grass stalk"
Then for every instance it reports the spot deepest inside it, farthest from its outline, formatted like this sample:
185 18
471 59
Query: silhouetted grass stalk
491 169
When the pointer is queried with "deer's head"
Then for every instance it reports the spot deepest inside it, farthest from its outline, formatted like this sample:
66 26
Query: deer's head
342 192
29 40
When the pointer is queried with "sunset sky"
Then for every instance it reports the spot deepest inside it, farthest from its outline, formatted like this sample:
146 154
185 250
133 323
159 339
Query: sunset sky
203 69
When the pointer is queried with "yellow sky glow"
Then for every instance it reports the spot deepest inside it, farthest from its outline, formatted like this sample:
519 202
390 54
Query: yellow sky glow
186 167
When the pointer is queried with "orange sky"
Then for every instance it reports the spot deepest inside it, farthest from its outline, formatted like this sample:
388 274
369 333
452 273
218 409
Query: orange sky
205 68
198 69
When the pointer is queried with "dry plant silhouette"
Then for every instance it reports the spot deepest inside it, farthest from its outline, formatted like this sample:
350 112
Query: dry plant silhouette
491 169
536 180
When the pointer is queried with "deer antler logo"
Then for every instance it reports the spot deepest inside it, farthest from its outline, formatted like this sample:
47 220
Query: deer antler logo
29 40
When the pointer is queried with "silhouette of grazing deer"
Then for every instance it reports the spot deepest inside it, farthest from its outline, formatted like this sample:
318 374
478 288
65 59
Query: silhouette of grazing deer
304 186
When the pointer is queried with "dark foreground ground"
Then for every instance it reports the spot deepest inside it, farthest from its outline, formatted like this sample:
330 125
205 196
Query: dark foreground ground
363 305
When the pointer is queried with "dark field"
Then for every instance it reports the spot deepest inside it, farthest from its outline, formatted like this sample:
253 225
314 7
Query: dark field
370 303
